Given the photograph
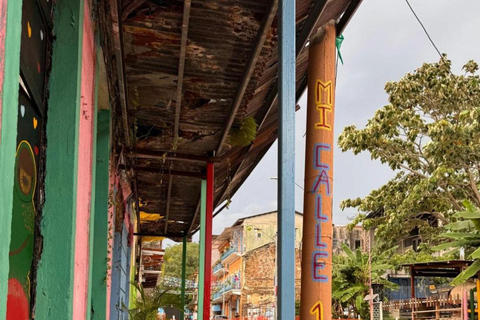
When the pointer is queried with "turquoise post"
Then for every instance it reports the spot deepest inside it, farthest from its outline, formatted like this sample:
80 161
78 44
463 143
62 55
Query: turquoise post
184 273
201 273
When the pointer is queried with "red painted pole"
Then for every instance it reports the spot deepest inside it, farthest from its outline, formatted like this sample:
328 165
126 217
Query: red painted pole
208 242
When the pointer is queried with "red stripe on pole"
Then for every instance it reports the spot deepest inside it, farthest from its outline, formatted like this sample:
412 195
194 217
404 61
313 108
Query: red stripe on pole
208 242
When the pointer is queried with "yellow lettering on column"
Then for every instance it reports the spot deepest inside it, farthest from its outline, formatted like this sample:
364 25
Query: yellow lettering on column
317 310
324 103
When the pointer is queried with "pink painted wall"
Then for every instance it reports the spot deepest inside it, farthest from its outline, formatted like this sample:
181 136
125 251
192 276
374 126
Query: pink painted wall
3 22
84 175
111 231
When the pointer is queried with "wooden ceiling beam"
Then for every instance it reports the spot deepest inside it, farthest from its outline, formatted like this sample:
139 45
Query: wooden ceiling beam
190 174
169 197
181 64
252 62
347 16
168 155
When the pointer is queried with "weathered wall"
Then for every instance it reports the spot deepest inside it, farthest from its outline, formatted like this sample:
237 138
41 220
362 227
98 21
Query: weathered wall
100 234
84 172
266 227
259 273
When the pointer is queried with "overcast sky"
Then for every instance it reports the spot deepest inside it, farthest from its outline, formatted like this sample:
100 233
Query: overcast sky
382 43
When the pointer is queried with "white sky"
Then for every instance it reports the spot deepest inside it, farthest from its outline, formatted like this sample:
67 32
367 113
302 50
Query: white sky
382 43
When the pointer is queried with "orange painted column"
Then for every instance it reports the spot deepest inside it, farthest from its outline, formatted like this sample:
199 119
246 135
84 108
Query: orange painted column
316 294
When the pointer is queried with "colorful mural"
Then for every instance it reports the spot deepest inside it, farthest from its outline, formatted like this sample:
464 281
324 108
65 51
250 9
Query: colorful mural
33 62
23 219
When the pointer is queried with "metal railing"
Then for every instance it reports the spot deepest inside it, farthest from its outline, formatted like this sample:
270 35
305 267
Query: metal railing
217 267
229 252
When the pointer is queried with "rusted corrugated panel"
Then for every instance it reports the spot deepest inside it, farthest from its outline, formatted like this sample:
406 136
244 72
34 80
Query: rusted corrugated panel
220 39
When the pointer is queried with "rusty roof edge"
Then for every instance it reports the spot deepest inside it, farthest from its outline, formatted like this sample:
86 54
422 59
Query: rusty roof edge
309 24
262 36
347 16
181 64
118 40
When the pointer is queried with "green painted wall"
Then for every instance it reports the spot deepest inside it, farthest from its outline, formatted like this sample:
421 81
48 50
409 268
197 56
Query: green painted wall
100 234
8 138
55 272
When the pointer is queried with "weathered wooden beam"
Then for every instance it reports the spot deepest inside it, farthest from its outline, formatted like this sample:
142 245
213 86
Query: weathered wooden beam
192 223
181 64
155 234
168 155
261 37
169 197
190 174
347 16
116 6
309 24
307 29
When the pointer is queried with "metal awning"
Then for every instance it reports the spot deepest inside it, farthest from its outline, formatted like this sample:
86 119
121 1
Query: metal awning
182 75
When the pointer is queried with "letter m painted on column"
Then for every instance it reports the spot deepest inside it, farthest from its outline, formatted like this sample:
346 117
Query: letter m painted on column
324 103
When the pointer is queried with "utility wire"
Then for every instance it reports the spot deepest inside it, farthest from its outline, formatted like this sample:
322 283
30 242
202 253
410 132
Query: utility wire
424 29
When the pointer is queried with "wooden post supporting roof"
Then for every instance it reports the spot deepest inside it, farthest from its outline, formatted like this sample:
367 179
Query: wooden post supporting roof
184 272
208 242
316 291
201 266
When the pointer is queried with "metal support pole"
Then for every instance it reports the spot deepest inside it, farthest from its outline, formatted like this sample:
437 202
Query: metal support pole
201 272
286 163
316 294
184 273
208 241
412 292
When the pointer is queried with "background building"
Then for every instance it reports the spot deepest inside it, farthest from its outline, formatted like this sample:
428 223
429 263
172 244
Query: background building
244 274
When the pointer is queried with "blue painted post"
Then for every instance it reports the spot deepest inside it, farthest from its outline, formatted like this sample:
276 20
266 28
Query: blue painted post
286 163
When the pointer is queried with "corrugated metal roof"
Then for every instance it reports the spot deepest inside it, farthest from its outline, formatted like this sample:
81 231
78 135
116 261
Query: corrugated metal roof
220 42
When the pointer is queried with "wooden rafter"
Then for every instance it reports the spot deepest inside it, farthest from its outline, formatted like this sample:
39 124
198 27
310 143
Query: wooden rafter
169 197
301 41
252 62
181 70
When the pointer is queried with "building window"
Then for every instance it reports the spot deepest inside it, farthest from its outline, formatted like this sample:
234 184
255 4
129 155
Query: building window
259 235
358 244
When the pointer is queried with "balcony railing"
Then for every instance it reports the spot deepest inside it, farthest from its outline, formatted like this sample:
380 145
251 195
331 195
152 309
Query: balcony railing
229 252
226 286
217 267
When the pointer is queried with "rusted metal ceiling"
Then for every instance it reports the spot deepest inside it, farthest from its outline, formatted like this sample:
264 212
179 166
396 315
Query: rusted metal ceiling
192 71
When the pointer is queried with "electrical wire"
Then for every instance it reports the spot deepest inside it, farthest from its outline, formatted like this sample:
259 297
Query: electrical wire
424 29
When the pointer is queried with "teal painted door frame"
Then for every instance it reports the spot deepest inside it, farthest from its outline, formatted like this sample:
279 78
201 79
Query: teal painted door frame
56 268
8 135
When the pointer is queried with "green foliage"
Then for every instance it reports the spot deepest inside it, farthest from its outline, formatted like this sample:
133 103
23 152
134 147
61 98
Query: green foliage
350 282
245 134
430 135
147 304
172 265
297 307
466 234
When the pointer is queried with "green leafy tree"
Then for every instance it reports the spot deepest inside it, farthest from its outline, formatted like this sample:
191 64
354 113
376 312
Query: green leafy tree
172 262
350 281
429 134
464 233
147 304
